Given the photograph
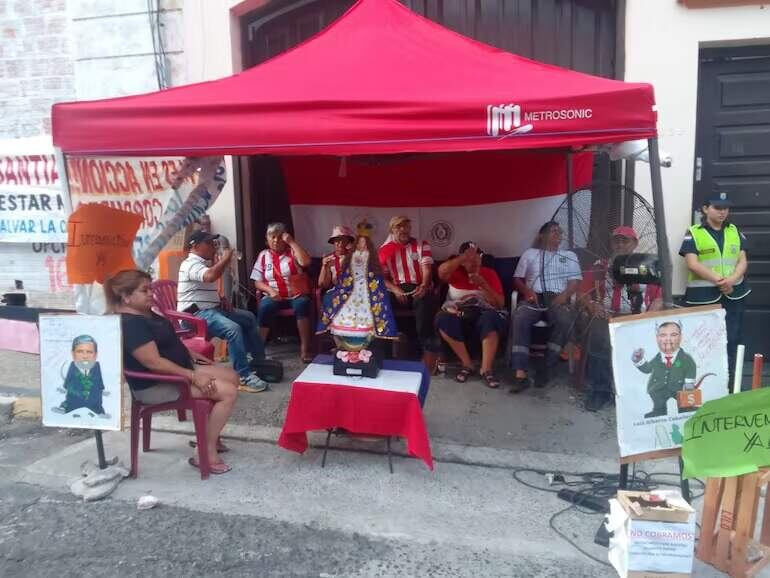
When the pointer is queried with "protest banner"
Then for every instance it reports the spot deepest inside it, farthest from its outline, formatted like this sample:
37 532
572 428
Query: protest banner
100 243
81 371
728 436
167 193
32 206
665 365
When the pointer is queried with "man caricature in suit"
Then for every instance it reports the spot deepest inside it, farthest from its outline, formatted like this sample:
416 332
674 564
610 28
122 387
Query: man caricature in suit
671 370
83 386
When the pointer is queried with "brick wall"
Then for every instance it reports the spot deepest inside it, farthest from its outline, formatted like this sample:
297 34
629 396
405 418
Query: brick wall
36 65
60 50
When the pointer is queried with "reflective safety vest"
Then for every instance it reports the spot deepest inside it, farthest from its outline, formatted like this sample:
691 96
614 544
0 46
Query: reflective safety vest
722 263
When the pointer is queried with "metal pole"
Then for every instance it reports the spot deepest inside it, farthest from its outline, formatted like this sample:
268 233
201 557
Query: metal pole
100 450
664 256
629 181
570 216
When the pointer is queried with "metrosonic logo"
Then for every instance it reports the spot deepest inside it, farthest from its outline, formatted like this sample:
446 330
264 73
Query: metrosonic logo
505 119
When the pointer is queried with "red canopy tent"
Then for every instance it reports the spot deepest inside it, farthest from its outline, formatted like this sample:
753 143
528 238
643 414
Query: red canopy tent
380 80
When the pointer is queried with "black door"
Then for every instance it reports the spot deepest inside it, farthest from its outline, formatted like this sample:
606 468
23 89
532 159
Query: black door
733 155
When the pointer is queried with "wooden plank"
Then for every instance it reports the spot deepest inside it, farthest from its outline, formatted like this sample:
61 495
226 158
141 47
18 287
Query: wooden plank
764 536
712 498
743 528
726 524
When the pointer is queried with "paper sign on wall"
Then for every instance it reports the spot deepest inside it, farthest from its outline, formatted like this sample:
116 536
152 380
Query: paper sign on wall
99 243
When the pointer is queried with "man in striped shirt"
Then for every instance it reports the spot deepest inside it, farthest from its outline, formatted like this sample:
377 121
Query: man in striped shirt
197 294
278 275
407 268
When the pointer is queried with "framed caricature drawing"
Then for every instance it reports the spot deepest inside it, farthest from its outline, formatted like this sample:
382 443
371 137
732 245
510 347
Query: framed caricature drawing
81 371
665 365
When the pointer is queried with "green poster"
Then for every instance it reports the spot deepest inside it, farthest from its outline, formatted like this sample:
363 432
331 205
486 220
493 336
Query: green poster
729 436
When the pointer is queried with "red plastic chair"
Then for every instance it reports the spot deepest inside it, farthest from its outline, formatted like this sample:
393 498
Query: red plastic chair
192 330
143 413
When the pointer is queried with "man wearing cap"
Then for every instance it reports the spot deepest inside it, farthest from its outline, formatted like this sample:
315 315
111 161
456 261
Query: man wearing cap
715 253
611 299
197 294
406 264
342 239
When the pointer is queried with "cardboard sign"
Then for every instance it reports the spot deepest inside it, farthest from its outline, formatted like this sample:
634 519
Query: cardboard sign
665 365
81 371
651 540
100 242
728 436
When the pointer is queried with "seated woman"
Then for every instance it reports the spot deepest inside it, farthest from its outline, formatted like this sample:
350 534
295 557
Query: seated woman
471 311
150 344
278 275
332 264
358 306
546 278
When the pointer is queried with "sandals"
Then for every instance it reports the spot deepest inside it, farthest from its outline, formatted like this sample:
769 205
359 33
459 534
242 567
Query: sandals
221 448
307 359
217 468
490 380
463 375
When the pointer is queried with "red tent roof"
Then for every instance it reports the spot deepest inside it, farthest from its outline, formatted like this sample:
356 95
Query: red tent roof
381 79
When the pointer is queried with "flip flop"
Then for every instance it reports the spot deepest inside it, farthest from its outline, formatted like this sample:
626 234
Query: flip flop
221 448
463 375
218 468
490 380
307 359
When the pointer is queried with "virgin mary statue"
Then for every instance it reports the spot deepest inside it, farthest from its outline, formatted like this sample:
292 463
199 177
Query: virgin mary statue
357 309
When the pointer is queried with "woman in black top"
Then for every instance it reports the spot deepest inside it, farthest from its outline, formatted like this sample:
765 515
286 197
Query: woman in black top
150 344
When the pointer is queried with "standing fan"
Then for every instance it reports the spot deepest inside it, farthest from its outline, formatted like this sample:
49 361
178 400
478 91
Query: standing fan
593 223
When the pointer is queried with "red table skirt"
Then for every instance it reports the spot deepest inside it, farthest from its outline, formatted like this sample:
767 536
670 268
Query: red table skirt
315 406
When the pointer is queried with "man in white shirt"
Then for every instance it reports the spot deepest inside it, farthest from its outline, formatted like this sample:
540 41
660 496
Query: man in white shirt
197 294
546 277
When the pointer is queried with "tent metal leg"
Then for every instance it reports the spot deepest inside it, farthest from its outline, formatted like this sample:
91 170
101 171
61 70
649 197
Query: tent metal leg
627 198
390 456
664 256
570 208
326 447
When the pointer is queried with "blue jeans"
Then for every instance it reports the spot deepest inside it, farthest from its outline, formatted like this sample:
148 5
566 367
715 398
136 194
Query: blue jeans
239 327
269 307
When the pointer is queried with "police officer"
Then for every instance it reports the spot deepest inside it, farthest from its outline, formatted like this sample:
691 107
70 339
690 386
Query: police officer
715 253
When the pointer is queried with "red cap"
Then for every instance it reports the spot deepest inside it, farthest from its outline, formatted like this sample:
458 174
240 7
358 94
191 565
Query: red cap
625 232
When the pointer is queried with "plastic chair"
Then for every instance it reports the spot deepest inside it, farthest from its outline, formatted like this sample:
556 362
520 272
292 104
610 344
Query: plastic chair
141 412
192 330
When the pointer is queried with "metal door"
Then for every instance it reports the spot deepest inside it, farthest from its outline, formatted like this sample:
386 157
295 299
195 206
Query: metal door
732 154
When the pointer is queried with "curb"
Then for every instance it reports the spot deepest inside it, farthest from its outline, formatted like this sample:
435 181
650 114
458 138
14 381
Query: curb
443 451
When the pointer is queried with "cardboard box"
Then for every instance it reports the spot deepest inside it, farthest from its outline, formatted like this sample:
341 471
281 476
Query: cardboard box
655 506
653 535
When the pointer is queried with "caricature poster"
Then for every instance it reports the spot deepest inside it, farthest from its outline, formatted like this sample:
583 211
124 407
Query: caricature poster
81 371
665 366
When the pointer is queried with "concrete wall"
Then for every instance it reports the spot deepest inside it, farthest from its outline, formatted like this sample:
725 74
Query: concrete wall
36 65
113 49
662 43
59 50
212 50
